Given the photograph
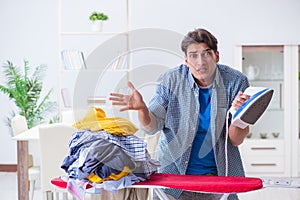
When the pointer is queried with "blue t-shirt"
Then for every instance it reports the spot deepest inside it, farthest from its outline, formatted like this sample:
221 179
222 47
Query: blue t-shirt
202 159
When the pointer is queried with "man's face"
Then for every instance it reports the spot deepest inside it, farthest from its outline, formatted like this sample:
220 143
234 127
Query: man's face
202 63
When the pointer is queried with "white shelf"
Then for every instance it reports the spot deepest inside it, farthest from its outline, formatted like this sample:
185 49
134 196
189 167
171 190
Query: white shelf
90 86
92 33
92 70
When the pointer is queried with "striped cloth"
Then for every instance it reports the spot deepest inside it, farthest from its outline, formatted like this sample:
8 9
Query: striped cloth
132 145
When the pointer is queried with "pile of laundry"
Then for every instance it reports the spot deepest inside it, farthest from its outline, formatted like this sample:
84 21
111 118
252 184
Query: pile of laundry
104 151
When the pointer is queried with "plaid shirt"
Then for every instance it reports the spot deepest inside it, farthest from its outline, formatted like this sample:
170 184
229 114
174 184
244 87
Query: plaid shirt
176 108
132 145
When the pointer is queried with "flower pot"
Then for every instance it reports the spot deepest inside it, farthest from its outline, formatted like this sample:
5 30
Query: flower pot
97 25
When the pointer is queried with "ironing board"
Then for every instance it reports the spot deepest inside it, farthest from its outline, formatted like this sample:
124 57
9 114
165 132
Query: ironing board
195 183
209 184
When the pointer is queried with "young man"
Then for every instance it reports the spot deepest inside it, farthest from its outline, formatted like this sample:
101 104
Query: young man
190 106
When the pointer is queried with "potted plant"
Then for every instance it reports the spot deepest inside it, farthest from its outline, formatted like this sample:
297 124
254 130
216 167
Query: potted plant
25 91
97 19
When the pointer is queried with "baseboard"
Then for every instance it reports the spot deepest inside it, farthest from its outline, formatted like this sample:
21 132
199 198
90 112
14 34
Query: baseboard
8 168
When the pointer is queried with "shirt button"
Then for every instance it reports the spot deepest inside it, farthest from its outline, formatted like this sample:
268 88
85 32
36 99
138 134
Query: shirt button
186 162
190 145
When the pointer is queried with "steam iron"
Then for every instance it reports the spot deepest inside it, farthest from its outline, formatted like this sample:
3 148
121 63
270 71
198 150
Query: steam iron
253 108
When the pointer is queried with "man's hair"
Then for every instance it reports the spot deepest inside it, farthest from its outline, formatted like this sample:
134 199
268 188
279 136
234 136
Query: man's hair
199 36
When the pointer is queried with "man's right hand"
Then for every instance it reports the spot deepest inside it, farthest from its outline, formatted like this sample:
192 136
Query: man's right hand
134 101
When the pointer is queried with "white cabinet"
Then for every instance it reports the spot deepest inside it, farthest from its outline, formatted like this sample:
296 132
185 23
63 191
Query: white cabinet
276 67
263 157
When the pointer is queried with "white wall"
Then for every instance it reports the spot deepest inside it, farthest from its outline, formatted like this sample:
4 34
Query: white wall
29 30
231 21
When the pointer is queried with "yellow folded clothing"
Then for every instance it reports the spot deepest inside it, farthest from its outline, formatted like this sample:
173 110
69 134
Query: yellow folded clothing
95 120
96 179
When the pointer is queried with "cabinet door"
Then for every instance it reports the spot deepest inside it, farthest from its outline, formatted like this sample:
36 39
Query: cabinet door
268 66
264 66
263 157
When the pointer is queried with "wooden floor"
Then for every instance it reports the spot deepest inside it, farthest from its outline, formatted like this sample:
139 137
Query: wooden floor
8 185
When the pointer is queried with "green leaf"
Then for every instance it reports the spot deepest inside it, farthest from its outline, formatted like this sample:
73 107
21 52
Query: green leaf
25 90
98 16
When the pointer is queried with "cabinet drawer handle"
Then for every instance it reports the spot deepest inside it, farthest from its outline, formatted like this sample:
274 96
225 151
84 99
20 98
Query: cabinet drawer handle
263 148
263 164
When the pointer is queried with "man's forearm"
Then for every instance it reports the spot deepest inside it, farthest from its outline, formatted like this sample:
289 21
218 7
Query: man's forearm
146 119
237 135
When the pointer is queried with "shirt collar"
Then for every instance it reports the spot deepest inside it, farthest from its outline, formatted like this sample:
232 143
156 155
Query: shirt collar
191 79
193 84
218 79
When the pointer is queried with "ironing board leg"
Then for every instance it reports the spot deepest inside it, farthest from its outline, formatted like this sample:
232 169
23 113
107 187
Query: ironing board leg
163 196
160 194
49 195
65 196
150 194
224 197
